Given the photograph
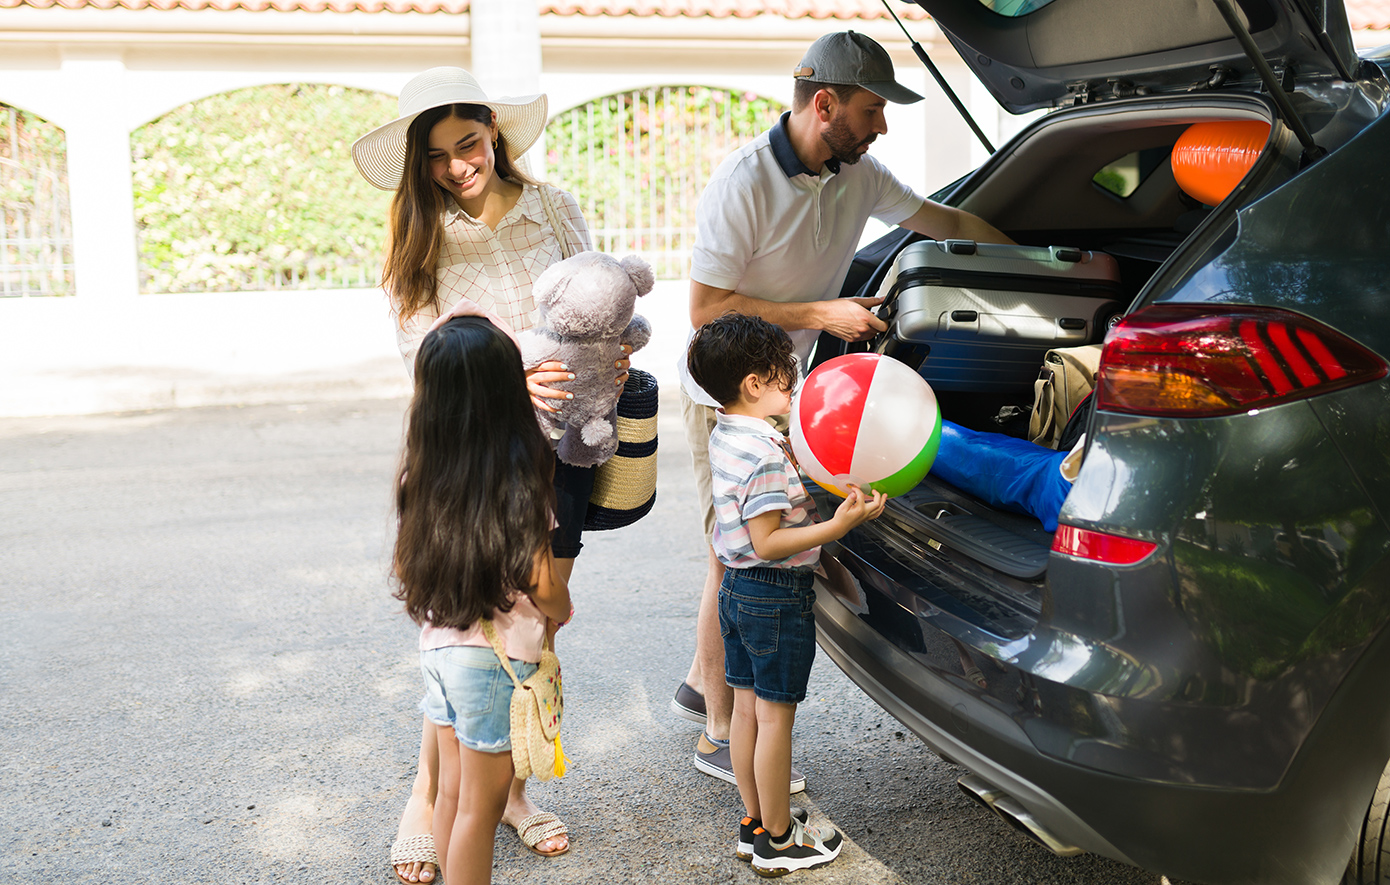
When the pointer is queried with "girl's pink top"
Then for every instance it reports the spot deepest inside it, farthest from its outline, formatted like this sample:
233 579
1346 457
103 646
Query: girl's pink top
522 630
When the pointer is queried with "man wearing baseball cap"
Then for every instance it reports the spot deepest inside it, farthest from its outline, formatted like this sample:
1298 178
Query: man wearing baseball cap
778 225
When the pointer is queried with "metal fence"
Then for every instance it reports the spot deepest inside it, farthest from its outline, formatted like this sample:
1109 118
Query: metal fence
637 161
35 218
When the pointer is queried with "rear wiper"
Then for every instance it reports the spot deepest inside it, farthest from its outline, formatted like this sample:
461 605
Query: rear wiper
941 81
1311 150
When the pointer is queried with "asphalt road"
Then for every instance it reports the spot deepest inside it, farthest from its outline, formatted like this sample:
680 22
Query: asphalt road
203 678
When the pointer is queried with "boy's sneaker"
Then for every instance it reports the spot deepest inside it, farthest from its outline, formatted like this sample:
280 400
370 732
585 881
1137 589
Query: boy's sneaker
803 848
748 826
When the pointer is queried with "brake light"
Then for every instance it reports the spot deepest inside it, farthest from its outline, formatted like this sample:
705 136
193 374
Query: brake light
1205 360
1099 546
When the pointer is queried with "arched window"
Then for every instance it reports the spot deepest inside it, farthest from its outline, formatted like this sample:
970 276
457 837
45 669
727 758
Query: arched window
35 217
255 190
638 160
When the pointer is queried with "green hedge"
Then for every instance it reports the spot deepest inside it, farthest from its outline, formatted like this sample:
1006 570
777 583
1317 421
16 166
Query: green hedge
255 189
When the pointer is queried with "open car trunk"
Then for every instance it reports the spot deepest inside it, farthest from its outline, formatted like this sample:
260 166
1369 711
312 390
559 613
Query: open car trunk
1097 179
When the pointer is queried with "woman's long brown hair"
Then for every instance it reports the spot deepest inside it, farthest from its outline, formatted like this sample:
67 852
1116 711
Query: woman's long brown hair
474 498
416 221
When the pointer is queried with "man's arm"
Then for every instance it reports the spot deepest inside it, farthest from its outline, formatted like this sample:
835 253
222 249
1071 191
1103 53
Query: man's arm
847 318
949 223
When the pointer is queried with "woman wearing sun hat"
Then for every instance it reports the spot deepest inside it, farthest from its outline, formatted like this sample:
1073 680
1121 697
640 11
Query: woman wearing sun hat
469 233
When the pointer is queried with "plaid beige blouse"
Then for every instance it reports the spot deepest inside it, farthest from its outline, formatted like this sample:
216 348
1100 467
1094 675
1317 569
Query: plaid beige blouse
496 268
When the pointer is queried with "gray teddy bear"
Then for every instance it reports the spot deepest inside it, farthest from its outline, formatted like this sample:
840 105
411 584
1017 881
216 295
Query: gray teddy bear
586 307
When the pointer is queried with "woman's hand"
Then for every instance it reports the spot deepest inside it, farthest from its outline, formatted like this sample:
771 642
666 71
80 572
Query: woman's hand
469 308
537 379
553 371
623 365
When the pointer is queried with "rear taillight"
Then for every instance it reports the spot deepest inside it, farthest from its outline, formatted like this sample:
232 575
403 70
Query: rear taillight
1205 360
1100 547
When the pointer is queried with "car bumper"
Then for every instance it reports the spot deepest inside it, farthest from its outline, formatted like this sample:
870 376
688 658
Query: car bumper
1301 831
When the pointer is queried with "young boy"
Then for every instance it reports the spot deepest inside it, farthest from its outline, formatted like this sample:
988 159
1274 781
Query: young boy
769 540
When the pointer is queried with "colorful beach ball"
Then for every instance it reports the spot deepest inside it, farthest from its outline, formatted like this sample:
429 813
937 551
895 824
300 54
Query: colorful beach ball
865 419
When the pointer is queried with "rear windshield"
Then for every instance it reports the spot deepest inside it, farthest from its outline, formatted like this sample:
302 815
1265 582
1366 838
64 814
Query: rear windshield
1014 8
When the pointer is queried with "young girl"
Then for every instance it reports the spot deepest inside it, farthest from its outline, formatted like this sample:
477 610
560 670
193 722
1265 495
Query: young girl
469 234
474 511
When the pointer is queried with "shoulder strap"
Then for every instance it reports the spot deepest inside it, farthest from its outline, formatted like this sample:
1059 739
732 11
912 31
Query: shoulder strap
496 642
560 232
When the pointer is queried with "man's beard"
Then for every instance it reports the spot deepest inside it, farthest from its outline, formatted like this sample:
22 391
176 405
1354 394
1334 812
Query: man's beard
842 143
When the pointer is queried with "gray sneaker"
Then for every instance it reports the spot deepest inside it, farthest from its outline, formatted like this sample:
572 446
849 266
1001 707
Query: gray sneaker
712 757
689 704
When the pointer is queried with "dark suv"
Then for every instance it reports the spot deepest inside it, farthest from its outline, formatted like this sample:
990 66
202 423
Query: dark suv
1189 674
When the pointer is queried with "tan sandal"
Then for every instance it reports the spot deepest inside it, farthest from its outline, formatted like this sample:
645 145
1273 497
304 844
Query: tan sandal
415 849
538 828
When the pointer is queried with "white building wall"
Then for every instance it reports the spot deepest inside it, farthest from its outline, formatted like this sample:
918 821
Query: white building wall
100 74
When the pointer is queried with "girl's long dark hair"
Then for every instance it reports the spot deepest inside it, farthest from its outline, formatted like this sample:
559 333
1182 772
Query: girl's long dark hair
474 493
416 225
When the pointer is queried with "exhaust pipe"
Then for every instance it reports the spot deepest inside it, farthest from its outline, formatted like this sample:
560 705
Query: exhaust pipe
976 788
1014 814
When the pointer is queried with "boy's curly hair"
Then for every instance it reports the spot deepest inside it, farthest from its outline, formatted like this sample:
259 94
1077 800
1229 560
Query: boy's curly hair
726 350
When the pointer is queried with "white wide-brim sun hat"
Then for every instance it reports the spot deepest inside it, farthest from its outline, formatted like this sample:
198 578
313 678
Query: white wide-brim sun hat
380 154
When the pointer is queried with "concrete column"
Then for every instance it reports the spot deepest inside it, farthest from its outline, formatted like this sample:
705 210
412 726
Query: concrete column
506 46
99 179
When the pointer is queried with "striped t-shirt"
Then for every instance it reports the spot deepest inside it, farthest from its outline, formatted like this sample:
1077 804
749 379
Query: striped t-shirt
751 475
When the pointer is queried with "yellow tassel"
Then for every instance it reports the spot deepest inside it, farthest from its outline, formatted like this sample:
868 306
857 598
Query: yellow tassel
560 758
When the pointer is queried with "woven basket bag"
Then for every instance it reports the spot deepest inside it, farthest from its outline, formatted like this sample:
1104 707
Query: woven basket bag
625 484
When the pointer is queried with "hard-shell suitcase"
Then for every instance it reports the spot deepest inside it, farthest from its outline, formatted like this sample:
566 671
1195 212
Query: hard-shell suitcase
981 316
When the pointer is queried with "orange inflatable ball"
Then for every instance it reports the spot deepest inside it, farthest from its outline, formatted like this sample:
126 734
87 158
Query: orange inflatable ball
1210 159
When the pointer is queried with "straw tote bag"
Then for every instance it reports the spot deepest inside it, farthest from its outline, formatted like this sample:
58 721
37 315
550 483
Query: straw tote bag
625 484
538 705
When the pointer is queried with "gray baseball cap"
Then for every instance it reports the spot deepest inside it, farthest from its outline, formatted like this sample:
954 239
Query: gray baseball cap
847 58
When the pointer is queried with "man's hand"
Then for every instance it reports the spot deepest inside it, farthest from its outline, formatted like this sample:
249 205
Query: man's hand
850 318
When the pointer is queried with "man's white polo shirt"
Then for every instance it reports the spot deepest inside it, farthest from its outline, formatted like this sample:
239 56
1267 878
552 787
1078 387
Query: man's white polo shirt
770 228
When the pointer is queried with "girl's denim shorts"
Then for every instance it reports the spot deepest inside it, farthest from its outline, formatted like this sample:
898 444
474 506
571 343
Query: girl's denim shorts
769 631
467 688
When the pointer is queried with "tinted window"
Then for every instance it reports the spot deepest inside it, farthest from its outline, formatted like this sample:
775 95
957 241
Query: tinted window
1124 176
1014 8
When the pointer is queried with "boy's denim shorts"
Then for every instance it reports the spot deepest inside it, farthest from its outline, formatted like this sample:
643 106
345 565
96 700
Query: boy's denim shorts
467 688
769 631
